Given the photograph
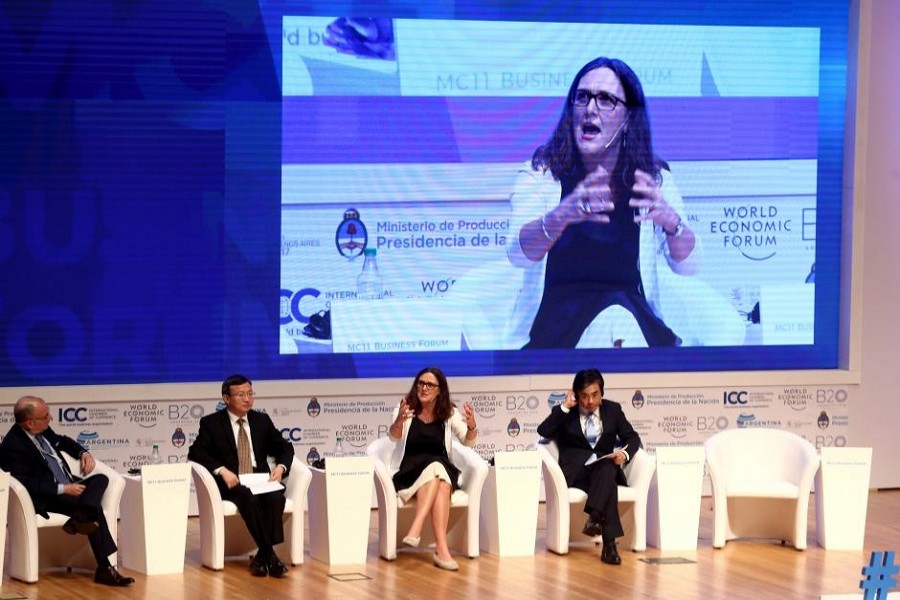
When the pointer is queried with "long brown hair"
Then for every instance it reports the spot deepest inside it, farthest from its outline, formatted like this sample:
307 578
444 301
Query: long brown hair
560 154
443 407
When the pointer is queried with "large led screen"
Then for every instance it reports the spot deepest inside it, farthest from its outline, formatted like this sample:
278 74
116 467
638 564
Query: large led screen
190 189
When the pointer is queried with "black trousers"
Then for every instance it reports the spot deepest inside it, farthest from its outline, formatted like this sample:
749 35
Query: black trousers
88 505
599 481
262 514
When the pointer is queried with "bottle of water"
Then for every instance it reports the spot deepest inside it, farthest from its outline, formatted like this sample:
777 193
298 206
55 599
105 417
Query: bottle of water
338 447
369 283
155 458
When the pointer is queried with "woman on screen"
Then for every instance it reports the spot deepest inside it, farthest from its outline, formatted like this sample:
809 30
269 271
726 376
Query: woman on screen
423 427
602 234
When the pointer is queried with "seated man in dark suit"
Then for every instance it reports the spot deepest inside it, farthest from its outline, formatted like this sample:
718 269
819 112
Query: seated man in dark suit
32 453
597 428
236 441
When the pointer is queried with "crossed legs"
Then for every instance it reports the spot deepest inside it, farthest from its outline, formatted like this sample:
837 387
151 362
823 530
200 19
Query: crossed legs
433 499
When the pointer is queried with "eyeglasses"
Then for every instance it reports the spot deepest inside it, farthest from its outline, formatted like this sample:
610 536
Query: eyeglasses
604 100
44 418
243 395
427 385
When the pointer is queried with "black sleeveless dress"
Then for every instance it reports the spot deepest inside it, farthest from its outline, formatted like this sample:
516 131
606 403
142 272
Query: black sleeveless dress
424 446
591 267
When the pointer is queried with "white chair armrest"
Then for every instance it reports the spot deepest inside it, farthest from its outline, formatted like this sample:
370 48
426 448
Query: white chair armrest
473 470
556 495
297 485
639 470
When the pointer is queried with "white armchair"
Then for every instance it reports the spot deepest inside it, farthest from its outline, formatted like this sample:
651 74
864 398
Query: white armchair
465 504
761 480
222 530
565 505
36 542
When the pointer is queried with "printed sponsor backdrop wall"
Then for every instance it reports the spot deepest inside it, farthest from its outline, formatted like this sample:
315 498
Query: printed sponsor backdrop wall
122 434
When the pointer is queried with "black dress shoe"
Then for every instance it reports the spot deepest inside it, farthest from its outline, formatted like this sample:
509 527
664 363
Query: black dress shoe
592 528
276 567
259 566
110 576
610 555
75 526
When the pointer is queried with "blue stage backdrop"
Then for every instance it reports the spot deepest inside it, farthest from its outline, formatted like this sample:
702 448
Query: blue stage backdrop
187 187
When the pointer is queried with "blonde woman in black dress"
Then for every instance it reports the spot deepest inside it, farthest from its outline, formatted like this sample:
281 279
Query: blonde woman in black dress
424 426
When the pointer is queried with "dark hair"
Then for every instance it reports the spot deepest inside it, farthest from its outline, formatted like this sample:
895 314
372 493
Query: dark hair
586 377
443 407
231 380
560 153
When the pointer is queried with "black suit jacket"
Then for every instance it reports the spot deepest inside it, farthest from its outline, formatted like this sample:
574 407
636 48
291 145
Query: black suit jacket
22 459
215 445
565 429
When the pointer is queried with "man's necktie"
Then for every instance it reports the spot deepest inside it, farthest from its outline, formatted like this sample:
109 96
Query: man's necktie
50 458
245 465
590 430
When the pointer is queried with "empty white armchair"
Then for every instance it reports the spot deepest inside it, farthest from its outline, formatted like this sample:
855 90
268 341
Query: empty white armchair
761 480
222 530
465 504
565 505
36 542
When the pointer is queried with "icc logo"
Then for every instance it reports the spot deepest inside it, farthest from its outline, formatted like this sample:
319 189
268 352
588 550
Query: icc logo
351 236
178 438
734 398
823 421
313 408
72 415
312 456
513 429
637 400
291 434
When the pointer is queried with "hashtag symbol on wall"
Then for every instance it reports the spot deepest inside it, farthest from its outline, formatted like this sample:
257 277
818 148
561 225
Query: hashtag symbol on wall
879 576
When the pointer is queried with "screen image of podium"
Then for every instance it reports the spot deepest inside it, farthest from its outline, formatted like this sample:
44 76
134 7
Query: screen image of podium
395 325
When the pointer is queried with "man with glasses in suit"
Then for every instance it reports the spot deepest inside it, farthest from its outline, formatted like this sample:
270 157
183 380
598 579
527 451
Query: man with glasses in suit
238 441
33 453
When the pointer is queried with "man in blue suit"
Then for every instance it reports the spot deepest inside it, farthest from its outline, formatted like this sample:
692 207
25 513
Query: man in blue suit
33 453
594 442
236 441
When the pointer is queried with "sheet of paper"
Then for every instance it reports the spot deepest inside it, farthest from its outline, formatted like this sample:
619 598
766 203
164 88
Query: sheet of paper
594 458
259 483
